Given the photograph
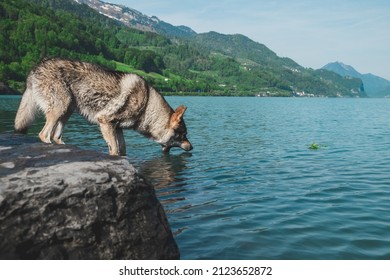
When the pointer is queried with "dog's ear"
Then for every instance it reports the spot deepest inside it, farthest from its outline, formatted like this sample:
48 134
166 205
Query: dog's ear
177 116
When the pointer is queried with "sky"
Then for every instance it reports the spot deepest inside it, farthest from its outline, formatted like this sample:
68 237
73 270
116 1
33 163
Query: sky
311 32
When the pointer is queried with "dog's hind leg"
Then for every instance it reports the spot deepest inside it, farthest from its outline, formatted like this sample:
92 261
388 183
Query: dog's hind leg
121 141
57 132
52 118
109 134
57 107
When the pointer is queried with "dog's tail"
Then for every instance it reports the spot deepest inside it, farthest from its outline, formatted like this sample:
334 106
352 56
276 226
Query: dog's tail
26 112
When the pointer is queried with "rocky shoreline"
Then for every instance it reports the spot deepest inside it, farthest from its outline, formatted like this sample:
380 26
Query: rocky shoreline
61 202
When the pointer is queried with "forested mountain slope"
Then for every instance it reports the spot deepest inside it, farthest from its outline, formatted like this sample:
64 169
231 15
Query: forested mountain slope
209 63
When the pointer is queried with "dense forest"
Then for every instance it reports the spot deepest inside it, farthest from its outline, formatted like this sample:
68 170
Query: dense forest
201 64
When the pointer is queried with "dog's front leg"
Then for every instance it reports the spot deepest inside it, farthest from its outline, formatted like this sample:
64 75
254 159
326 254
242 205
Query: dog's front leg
121 141
110 135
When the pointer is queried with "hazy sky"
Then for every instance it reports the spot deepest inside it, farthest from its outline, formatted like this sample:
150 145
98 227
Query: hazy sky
311 32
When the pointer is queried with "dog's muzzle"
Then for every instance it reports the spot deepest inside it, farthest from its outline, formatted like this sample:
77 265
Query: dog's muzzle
185 145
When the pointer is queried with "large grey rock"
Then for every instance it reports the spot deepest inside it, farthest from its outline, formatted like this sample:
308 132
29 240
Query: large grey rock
60 202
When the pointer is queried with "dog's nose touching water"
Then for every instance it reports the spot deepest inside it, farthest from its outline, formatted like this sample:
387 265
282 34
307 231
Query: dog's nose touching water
185 145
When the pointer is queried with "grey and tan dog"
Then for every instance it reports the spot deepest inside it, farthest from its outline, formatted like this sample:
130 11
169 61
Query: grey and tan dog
114 100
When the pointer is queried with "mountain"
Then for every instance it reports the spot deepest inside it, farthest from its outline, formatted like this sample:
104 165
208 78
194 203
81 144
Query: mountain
208 63
137 20
280 72
243 48
264 69
374 86
342 69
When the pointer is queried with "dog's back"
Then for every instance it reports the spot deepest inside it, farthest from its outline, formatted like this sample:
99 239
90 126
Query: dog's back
78 85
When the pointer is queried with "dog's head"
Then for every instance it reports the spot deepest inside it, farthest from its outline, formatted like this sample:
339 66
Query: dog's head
177 132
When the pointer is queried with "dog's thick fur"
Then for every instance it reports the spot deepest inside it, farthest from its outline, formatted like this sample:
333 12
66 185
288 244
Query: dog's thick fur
114 100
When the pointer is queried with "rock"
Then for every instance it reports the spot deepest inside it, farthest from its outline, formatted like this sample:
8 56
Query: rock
61 202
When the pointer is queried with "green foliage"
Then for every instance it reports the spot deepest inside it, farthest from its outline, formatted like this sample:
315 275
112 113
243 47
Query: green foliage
136 38
30 32
316 146
146 60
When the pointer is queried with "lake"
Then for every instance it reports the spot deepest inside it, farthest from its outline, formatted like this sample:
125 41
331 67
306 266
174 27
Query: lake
269 178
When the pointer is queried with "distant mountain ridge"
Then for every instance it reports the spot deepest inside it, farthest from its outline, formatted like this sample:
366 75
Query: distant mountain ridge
374 86
281 72
243 48
137 20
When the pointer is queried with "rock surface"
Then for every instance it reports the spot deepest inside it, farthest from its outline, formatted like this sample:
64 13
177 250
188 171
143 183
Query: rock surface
60 202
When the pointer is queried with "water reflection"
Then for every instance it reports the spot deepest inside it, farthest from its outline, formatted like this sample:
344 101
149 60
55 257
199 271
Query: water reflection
165 171
166 174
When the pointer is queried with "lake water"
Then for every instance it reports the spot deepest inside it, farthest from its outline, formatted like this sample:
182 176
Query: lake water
253 189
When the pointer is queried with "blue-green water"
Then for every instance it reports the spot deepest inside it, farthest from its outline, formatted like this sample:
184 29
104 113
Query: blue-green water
252 188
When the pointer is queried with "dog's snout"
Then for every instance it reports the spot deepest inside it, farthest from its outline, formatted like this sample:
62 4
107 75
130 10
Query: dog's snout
186 145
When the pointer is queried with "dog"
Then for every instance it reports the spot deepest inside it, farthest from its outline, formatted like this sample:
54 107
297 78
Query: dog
112 99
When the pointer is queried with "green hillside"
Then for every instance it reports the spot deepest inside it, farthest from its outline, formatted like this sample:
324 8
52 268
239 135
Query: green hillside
31 31
240 46
210 63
